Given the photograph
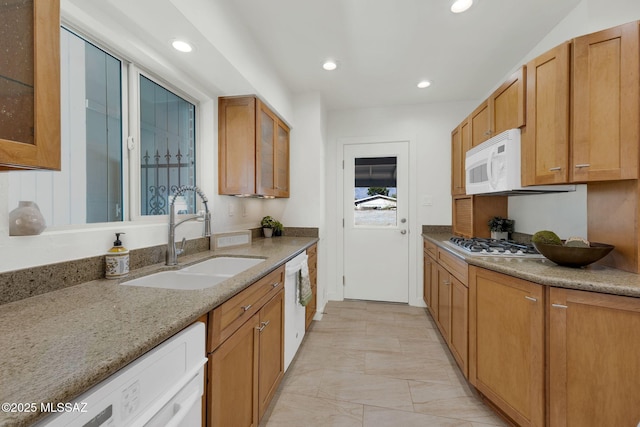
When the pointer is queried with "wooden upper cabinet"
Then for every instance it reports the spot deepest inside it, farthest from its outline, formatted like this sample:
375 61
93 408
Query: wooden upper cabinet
594 342
507 104
30 85
272 177
479 121
460 144
606 94
253 149
545 140
503 110
236 145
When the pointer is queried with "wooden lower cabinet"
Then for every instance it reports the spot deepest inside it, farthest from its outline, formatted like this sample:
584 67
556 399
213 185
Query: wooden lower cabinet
246 369
271 349
427 284
233 378
459 328
507 344
446 296
594 365
444 301
312 306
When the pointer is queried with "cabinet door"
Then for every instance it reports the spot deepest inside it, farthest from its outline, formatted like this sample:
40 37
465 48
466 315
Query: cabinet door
30 86
444 302
281 161
237 145
506 335
593 368
459 340
271 331
426 280
606 74
480 124
265 150
233 379
506 104
545 140
457 166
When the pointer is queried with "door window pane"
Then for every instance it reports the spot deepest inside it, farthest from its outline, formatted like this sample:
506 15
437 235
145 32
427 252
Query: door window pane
375 194
167 136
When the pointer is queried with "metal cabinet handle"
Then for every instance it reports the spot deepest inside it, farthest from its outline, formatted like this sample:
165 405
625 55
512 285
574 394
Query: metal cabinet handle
246 307
583 165
275 285
557 168
263 325
559 306
403 231
531 298
446 282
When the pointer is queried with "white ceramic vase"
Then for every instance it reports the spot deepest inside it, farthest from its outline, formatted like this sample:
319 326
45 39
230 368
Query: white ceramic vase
26 220
268 232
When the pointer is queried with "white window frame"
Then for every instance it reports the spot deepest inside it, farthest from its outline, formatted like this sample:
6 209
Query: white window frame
130 80
133 137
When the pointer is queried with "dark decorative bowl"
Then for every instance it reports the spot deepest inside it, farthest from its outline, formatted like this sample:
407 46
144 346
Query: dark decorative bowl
571 256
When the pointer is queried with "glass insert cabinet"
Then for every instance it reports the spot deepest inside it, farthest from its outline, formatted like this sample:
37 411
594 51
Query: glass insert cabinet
30 84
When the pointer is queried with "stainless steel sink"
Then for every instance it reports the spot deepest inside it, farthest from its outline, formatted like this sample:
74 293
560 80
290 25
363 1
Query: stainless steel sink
202 275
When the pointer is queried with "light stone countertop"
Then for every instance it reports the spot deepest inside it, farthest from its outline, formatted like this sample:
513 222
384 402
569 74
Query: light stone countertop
593 278
55 346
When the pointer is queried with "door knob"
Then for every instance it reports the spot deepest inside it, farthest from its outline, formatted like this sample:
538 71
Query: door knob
403 220
403 231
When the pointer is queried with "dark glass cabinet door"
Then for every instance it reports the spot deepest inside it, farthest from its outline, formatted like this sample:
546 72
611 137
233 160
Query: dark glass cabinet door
30 84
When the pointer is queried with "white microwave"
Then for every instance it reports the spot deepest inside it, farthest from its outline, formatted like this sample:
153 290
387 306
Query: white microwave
494 167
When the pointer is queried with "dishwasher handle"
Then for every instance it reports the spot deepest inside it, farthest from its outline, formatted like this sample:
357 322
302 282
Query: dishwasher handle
183 409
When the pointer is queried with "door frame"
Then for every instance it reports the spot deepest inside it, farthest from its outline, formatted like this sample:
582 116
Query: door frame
415 223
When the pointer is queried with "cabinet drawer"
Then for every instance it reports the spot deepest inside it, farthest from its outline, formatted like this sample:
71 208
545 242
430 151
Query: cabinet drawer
430 247
456 266
228 317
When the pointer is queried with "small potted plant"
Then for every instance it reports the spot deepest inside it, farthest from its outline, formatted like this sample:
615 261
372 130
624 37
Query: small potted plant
278 228
500 227
268 224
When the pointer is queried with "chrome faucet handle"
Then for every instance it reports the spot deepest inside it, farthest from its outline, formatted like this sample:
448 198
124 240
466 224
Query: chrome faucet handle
181 250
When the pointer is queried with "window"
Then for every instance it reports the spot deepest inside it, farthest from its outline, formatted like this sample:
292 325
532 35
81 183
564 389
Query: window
375 196
90 188
167 149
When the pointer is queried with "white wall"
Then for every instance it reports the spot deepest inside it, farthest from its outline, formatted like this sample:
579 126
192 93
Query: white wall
566 214
428 128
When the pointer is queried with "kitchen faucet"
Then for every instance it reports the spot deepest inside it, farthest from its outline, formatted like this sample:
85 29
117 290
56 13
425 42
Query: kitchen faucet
172 252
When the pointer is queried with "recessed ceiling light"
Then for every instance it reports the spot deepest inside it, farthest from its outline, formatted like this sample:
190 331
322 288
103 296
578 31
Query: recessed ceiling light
424 83
181 46
330 65
459 6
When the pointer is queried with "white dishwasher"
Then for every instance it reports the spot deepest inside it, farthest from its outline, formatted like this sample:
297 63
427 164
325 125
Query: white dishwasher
162 388
294 312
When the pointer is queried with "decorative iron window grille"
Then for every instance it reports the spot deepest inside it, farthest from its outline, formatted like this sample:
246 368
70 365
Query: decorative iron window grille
167 134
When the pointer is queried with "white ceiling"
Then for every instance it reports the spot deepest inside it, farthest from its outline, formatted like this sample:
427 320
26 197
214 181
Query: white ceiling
384 47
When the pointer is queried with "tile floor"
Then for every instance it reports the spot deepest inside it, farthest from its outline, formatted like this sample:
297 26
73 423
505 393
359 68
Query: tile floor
375 364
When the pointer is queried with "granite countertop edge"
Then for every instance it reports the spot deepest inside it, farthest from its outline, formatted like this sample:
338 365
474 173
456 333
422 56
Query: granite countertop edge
57 345
593 278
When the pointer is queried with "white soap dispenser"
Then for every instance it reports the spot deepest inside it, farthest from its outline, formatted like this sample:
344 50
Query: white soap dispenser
117 260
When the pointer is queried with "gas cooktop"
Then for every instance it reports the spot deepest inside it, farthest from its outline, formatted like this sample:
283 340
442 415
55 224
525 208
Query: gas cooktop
492 247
